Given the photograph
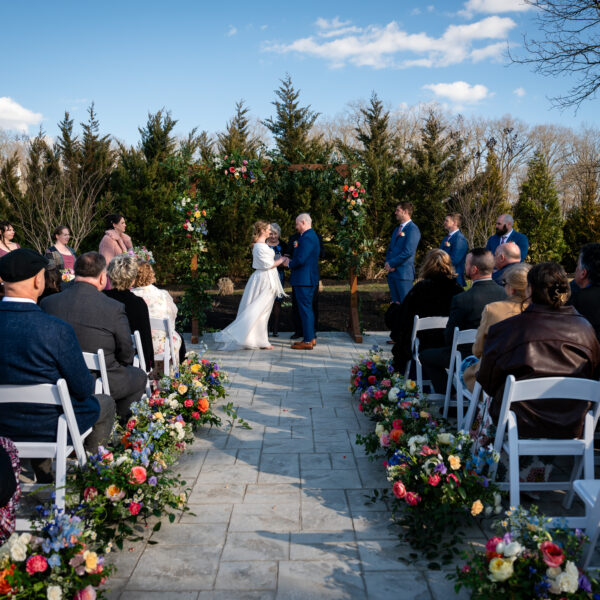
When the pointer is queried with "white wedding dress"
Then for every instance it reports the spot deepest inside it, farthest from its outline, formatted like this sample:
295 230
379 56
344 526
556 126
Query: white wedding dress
250 328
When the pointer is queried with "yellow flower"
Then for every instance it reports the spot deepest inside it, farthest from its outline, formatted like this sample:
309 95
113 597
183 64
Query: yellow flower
476 508
424 415
191 219
197 214
195 368
91 561
182 389
501 569
454 462
159 416
411 385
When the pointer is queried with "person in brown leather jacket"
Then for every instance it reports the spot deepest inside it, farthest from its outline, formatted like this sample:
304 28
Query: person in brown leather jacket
548 339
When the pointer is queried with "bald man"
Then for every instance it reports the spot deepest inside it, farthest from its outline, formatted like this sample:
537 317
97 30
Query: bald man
506 255
506 233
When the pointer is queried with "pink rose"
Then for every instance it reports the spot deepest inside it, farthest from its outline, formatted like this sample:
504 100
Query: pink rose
138 475
187 403
232 169
196 415
108 457
490 548
90 493
384 440
378 395
386 383
552 555
131 424
36 564
134 508
398 489
434 480
87 593
364 396
412 499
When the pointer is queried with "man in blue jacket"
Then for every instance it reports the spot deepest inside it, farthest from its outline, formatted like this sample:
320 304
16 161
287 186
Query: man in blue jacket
37 348
305 277
456 245
506 233
400 255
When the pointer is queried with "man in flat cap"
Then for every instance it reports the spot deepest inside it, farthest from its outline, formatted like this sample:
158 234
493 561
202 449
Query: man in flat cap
38 348
100 322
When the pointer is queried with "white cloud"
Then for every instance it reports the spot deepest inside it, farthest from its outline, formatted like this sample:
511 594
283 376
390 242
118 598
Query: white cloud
263 27
15 117
415 11
430 8
493 7
459 92
232 31
520 92
380 47
492 52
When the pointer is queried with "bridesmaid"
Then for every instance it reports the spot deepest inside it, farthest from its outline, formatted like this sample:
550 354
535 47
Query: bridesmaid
7 233
63 256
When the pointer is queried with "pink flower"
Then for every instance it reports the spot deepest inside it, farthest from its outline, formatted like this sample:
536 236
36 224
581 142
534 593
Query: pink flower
412 499
188 402
131 424
384 440
465 569
369 364
36 564
452 477
378 395
490 548
552 555
405 404
87 593
398 489
360 407
372 379
232 169
427 451
108 457
138 475
244 162
90 493
134 508
397 424
386 383
364 396
434 480
196 415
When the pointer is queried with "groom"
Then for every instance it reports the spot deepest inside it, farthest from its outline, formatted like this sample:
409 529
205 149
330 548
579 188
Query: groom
305 278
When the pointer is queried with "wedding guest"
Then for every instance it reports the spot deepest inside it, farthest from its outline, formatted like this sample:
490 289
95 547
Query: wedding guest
429 297
515 286
506 255
52 281
506 233
456 245
10 487
7 233
115 240
160 306
585 289
548 339
63 256
122 271
100 322
280 249
43 349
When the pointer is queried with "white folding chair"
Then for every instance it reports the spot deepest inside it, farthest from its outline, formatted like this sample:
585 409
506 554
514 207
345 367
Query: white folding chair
422 324
53 395
168 355
568 388
139 360
467 422
97 364
464 336
588 491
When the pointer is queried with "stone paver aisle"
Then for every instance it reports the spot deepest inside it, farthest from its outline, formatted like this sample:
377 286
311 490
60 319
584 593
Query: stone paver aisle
279 510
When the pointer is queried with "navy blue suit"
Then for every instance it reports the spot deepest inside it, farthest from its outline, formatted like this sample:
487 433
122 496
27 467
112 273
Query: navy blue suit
456 246
520 239
304 278
38 348
400 255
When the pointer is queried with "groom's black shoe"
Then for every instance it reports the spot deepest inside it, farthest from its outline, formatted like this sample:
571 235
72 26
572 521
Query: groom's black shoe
295 336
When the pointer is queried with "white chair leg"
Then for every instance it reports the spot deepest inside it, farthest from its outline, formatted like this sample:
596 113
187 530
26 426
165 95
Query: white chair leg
448 394
575 474
61 464
513 461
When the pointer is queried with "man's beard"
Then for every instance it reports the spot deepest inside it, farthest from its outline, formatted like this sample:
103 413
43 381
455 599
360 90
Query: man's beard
501 230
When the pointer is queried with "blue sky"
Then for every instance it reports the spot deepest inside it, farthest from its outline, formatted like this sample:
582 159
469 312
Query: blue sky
197 59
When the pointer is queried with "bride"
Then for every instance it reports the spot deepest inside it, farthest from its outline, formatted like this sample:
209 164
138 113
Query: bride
249 330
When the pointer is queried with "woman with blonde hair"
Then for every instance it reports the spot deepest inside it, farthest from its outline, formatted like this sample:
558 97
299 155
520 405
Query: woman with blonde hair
429 297
250 328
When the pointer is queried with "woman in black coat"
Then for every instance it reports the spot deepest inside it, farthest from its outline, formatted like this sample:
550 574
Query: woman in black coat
122 271
430 297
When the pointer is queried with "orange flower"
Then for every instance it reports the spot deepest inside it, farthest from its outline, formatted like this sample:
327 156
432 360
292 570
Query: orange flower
203 405
395 435
5 588
345 188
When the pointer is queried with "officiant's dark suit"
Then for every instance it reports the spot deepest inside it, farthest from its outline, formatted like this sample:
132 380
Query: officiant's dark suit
304 279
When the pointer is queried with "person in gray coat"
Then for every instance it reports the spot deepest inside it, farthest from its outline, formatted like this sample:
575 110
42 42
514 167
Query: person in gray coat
100 323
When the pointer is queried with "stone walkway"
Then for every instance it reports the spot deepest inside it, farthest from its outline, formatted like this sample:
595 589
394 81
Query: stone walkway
279 510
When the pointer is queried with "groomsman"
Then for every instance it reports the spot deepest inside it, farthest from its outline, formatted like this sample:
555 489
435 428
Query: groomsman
456 245
506 233
400 255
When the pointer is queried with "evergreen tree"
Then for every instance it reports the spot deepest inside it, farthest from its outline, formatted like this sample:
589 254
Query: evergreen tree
237 137
538 214
428 178
582 226
291 127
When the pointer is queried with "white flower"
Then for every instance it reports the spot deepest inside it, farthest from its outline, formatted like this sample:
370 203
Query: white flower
567 581
121 460
416 440
497 499
54 592
379 429
25 538
445 438
18 551
512 549
393 394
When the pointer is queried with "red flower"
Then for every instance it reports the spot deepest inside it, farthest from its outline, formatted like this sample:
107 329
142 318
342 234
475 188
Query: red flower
372 379
434 480
90 493
552 555
188 402
395 435
397 424
378 394
360 407
452 477
131 424
355 194
232 169
134 508
196 415
398 489
490 548
36 564
412 499
138 475
345 188
357 184
188 235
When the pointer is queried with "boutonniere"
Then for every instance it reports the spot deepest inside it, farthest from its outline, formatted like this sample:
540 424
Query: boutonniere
295 244
447 244
402 234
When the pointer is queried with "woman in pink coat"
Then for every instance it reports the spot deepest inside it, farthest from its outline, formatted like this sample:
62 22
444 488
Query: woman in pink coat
115 240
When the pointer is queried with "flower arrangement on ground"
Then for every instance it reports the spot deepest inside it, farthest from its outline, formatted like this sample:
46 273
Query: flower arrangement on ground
370 371
60 560
528 558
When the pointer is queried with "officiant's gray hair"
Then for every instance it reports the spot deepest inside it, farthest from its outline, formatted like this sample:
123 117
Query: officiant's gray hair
305 217
275 227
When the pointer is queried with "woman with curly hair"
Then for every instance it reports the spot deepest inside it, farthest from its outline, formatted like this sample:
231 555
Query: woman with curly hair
250 328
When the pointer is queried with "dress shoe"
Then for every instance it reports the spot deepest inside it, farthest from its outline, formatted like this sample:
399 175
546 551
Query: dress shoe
314 342
302 346
295 336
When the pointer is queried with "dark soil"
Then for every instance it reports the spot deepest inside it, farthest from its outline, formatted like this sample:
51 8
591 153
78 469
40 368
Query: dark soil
333 311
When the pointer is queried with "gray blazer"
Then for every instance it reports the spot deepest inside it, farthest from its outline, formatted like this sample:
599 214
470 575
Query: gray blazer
99 322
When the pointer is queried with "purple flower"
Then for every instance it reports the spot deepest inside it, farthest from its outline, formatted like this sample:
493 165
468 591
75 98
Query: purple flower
508 538
441 469
156 467
584 583
152 480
